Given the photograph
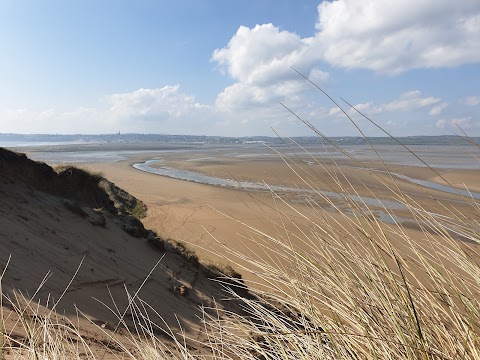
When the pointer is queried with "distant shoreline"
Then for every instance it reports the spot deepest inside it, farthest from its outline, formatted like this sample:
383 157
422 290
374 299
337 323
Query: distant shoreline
127 139
456 157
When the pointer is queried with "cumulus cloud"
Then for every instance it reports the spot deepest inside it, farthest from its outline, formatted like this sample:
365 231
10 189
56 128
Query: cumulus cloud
335 111
462 122
160 110
437 109
472 101
158 105
260 55
260 61
409 101
166 110
380 35
392 37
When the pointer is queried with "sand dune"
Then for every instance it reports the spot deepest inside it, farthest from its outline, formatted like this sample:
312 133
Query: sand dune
50 222
194 212
47 233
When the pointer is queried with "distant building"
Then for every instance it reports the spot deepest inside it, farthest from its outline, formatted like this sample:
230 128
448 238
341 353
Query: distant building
254 142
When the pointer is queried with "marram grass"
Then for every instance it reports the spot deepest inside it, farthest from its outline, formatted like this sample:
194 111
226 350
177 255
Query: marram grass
342 285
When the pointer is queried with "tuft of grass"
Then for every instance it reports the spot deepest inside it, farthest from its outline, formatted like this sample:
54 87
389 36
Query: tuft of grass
68 169
356 288
124 202
331 285
2 326
139 210
343 285
184 250
97 187
40 333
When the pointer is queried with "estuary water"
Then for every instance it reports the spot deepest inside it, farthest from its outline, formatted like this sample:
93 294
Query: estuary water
181 174
442 157
149 159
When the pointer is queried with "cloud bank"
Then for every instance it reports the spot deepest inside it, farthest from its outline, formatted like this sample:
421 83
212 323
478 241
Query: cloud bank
388 38
395 36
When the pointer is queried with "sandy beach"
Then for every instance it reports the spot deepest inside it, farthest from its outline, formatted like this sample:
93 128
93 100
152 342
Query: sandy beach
215 220
301 188
248 207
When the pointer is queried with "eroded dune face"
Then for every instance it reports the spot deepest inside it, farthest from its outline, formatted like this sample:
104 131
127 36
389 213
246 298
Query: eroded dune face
53 223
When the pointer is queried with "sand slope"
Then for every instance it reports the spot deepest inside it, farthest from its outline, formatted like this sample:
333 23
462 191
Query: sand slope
48 231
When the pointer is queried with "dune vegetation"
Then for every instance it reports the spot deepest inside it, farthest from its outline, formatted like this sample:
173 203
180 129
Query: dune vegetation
343 285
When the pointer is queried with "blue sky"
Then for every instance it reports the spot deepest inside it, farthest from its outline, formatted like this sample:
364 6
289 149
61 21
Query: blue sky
223 67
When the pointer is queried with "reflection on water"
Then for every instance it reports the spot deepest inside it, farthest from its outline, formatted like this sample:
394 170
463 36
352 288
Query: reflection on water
437 156
94 156
21 144
432 185
255 186
66 157
248 185
436 186
196 177
303 195
452 157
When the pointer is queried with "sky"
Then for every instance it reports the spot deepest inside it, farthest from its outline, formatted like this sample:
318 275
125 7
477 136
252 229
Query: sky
231 68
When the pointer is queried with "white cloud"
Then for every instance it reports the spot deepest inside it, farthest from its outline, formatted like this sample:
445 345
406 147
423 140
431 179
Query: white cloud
162 110
260 61
32 121
437 109
244 97
405 115
367 109
472 101
463 122
335 112
394 36
260 55
380 35
318 76
159 110
363 107
409 101
152 104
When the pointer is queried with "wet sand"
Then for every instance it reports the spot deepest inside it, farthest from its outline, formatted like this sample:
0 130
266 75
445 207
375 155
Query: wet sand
237 226
216 220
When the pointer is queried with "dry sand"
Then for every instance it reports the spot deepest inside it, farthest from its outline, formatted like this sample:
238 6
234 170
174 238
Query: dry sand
216 220
46 236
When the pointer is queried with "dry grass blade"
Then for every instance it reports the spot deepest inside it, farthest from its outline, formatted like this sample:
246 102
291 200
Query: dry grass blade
329 280
346 285
2 328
